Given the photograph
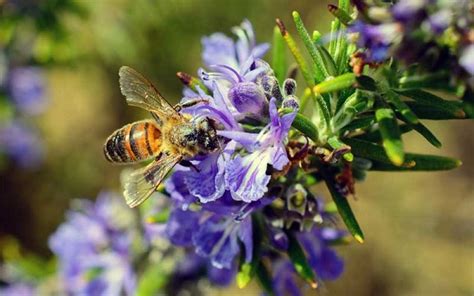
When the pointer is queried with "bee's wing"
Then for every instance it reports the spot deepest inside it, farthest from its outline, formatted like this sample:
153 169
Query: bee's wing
141 93
141 183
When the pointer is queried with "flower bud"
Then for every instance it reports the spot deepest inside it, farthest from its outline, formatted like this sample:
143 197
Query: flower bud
271 88
291 102
248 97
289 87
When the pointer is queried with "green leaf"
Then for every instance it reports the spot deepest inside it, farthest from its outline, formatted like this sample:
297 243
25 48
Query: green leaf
420 162
366 83
248 270
438 80
336 144
304 99
434 101
413 161
290 42
340 14
337 83
349 109
278 55
321 72
304 125
327 59
299 260
316 37
427 134
160 217
374 135
429 111
153 280
404 110
391 137
359 123
338 44
345 211
323 110
367 150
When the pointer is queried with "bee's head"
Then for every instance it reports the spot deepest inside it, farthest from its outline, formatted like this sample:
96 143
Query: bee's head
206 134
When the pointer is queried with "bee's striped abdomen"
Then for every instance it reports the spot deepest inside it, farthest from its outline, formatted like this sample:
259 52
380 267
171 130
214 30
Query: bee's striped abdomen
134 142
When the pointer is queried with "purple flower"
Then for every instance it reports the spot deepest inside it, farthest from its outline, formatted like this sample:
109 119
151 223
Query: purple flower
247 97
242 88
221 276
246 176
218 238
440 21
238 68
194 266
409 10
18 289
377 39
94 247
27 89
284 279
325 261
21 144
214 231
207 184
218 49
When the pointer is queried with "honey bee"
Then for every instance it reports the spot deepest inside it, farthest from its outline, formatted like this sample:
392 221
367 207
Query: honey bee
170 138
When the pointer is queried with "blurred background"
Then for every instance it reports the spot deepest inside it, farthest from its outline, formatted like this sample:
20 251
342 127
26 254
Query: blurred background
60 100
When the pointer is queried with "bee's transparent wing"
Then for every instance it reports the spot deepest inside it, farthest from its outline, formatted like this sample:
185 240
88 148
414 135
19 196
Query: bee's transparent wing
141 183
141 93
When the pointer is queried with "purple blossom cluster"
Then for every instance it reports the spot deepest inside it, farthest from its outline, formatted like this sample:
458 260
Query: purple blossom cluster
22 94
95 248
216 201
410 29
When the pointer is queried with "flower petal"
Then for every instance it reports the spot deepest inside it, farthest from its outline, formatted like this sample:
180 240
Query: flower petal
180 226
246 177
207 184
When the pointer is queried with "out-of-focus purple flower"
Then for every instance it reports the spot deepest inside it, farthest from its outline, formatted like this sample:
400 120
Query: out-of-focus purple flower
194 266
467 59
26 87
284 279
246 176
325 261
180 226
221 276
21 144
218 49
440 21
376 39
18 289
94 248
409 10
278 238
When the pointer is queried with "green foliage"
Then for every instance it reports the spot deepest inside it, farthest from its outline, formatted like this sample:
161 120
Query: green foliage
300 263
366 113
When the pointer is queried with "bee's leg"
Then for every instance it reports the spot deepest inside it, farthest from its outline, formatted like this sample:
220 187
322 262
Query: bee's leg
188 164
179 107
